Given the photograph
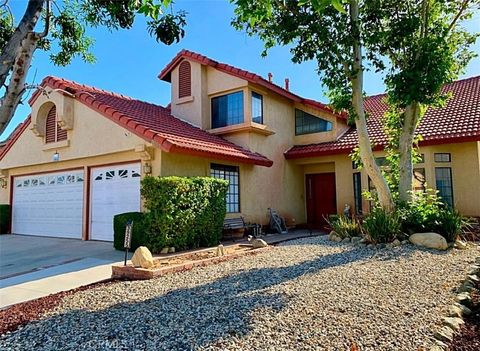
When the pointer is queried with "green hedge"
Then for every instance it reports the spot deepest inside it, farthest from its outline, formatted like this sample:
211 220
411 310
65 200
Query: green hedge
4 218
139 230
184 212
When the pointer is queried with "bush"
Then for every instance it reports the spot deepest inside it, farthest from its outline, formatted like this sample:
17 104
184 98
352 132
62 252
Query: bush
421 215
382 226
139 229
184 212
451 224
4 218
345 227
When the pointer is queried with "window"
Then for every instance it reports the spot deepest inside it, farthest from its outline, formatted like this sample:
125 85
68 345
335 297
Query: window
53 132
184 79
257 108
231 174
306 123
227 110
442 157
419 179
357 192
381 161
443 179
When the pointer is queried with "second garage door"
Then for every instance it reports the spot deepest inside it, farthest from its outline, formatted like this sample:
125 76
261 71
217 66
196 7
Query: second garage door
114 190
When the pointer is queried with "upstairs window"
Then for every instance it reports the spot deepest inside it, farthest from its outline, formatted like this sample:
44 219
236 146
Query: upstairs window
53 132
184 79
227 110
442 157
306 123
257 108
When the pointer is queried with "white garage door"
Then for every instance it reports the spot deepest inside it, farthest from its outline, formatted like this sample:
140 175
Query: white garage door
49 204
115 190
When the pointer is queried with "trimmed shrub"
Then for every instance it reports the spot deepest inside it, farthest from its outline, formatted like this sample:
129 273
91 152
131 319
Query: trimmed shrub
421 215
382 226
4 218
184 212
345 227
139 230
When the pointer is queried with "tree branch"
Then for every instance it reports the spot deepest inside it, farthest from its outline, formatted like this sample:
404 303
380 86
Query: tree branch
47 21
463 7
26 25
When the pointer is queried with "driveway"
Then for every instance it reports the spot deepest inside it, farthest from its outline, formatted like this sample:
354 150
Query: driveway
32 266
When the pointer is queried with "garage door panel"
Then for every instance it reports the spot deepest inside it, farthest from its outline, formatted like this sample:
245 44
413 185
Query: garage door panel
114 190
49 205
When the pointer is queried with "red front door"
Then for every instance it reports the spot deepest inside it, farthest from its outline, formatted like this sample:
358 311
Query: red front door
321 198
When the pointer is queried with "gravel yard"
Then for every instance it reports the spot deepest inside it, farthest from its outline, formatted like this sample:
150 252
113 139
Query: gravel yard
308 294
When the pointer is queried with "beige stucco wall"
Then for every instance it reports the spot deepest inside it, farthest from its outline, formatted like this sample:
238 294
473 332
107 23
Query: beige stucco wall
465 174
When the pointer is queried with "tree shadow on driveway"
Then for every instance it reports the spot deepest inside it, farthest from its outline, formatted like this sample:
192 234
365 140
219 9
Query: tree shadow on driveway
182 319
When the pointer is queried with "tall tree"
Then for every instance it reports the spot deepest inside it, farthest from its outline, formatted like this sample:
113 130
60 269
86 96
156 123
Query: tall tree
62 33
416 45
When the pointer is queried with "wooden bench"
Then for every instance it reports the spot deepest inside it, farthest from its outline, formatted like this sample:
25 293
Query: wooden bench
232 224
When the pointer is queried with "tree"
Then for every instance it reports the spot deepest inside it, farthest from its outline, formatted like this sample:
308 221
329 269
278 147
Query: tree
416 45
63 35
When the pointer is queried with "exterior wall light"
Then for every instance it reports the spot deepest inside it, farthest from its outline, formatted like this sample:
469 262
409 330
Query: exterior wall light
56 157
147 169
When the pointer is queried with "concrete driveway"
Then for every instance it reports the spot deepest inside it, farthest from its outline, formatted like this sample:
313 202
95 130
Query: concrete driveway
31 267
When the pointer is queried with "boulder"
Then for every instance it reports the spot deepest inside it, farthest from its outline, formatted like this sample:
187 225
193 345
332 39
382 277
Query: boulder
333 236
444 334
220 251
142 258
356 239
258 243
396 243
171 250
453 322
429 240
346 240
458 310
164 250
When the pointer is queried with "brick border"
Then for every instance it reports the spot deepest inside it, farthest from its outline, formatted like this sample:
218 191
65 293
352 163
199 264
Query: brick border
132 273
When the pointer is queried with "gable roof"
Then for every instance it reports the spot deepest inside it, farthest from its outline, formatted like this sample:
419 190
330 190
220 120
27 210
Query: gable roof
457 121
151 122
165 75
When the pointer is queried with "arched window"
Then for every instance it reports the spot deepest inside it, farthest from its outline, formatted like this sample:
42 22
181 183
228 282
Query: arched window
184 79
53 132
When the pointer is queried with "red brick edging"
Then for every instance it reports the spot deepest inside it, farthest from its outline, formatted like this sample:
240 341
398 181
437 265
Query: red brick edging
133 273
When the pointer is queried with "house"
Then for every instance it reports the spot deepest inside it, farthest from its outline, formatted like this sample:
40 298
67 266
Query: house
77 160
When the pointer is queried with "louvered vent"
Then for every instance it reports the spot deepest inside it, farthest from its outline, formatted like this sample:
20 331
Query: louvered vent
61 133
50 126
184 79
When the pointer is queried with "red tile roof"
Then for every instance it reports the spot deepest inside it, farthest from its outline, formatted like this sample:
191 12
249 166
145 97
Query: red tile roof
14 136
458 121
153 123
165 75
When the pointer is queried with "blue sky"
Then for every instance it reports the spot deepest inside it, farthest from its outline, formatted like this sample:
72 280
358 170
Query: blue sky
128 62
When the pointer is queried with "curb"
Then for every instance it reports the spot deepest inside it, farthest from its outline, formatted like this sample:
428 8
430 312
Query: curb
454 319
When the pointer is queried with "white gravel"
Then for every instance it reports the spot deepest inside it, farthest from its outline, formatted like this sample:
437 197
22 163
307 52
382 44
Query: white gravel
308 294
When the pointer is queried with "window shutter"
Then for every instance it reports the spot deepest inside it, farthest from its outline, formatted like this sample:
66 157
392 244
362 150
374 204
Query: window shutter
50 125
61 133
184 79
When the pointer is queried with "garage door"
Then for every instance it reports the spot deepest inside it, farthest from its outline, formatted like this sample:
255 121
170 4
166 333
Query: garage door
114 190
49 204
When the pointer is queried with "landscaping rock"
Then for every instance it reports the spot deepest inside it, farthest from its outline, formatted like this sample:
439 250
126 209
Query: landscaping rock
142 258
464 298
460 245
429 240
465 287
346 240
333 236
220 251
356 239
258 243
444 334
458 310
453 322
396 243
164 250
171 250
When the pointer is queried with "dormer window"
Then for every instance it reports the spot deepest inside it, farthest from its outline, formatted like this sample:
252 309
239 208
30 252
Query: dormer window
184 79
53 132
227 110
306 123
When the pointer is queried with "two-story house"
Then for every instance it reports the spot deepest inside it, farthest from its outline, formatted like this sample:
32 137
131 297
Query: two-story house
77 160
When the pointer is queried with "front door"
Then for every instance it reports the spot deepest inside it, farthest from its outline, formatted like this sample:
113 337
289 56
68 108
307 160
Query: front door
321 198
